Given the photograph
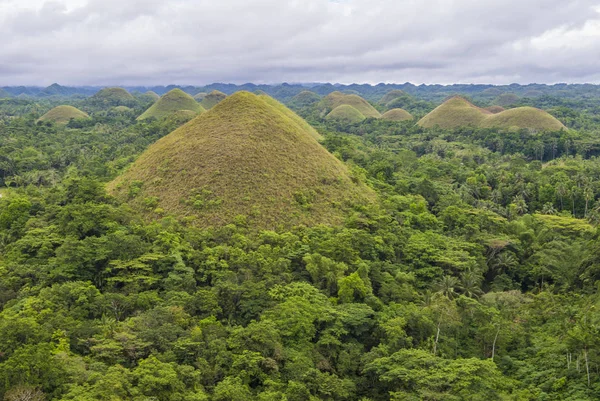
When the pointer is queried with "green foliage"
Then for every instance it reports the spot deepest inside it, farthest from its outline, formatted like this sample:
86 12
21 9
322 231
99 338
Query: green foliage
473 275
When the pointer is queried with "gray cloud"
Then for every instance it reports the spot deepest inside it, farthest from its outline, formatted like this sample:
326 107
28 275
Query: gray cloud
101 42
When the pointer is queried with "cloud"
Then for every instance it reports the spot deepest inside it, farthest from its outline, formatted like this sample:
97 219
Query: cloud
101 42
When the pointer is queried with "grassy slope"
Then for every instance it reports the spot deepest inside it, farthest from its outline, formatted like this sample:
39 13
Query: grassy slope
453 113
114 95
4 94
397 115
523 117
63 114
302 124
152 95
200 96
305 98
212 99
345 114
174 100
255 160
336 99
391 95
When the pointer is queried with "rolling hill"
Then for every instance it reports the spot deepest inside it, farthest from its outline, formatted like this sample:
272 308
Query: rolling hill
458 112
523 117
113 97
212 99
245 157
61 115
304 99
172 101
391 95
200 96
345 114
397 115
453 113
336 99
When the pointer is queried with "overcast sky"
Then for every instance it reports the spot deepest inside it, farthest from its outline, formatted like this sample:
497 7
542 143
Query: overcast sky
148 42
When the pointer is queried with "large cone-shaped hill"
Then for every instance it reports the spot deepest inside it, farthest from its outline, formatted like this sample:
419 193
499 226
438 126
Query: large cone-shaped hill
61 115
113 97
335 99
171 102
453 113
345 114
243 157
397 115
523 117
212 99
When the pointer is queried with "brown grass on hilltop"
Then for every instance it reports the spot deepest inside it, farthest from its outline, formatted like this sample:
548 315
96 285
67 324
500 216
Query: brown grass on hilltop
243 157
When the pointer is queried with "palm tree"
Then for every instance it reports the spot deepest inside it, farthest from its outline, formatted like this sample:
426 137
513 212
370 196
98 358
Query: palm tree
447 286
470 284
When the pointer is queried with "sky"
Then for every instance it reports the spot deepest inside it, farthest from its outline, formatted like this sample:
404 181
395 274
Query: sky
197 42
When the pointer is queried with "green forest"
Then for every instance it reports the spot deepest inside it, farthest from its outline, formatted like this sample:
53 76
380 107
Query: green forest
448 250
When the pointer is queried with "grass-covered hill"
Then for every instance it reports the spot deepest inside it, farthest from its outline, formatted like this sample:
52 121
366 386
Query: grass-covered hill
397 115
458 112
112 97
304 99
63 114
212 99
293 116
453 113
152 95
200 96
523 117
244 157
336 99
171 102
345 114
4 94
391 95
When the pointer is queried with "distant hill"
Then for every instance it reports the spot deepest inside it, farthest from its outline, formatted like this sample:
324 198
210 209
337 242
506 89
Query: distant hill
304 99
200 96
245 157
459 112
170 102
336 99
397 115
391 95
453 113
4 94
112 97
345 114
212 99
523 117
61 115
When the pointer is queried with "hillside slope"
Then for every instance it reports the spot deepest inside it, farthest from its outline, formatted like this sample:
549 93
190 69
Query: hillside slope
243 157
